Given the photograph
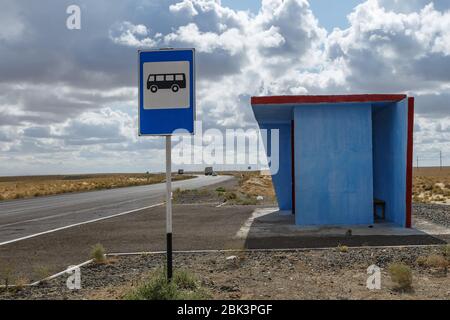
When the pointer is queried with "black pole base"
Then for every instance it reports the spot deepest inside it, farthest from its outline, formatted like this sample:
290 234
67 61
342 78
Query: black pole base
169 257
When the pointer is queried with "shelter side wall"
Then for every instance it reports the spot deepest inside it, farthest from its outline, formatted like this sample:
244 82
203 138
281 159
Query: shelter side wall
389 162
333 164
281 173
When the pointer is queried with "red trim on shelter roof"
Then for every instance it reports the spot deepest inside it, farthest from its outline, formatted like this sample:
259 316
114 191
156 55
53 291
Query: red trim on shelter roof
328 99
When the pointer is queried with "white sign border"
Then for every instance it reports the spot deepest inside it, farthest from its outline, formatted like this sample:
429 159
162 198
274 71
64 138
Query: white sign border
194 91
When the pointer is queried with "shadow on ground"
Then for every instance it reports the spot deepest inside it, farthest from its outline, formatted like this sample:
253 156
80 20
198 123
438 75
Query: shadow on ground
270 229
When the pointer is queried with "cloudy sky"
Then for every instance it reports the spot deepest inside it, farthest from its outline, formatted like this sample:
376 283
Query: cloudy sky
68 98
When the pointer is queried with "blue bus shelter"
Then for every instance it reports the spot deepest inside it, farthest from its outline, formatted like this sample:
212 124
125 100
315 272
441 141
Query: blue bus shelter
344 159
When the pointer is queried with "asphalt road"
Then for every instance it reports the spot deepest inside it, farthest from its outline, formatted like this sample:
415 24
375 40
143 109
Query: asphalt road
23 218
195 227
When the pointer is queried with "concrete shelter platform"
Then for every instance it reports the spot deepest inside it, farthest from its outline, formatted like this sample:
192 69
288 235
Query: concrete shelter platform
270 227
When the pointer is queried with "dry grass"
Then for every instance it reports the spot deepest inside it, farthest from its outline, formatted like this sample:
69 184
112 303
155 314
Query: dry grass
401 275
21 282
255 184
35 186
437 264
251 184
6 275
436 261
446 251
41 272
184 286
431 185
98 254
194 196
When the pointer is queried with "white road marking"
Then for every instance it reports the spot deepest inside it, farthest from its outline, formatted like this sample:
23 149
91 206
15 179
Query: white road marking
56 275
222 204
64 214
245 229
200 181
79 224
118 254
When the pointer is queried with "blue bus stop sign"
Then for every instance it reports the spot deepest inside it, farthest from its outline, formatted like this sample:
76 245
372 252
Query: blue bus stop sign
166 91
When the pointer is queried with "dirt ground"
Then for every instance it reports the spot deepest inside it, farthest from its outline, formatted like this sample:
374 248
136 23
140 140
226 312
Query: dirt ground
256 184
249 188
308 274
36 186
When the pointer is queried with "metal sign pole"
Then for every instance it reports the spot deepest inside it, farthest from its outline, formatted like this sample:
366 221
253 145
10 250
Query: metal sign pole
169 205
166 87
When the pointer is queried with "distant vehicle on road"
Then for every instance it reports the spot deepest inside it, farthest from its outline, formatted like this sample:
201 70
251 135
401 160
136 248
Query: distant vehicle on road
214 173
173 81
180 171
209 171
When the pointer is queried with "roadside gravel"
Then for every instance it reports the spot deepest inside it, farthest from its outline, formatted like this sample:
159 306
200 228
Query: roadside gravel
436 213
306 274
